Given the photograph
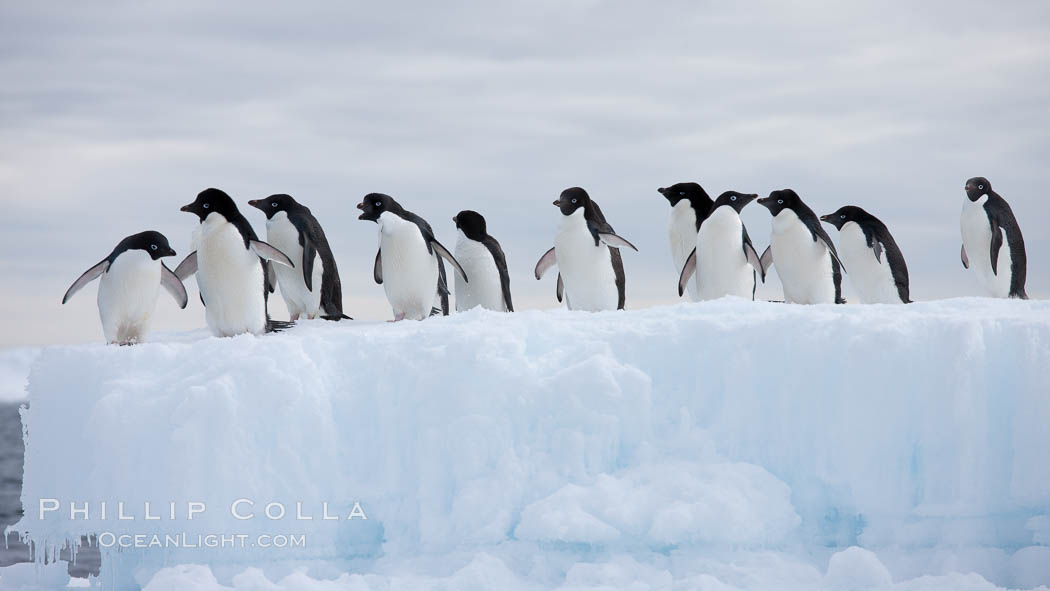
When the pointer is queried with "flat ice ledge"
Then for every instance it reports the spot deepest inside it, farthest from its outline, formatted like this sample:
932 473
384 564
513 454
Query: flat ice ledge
884 426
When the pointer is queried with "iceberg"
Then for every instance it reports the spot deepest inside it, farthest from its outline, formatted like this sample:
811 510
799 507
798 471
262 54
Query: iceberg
723 445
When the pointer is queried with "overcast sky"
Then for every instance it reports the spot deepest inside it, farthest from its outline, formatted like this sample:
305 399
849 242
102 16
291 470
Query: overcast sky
113 116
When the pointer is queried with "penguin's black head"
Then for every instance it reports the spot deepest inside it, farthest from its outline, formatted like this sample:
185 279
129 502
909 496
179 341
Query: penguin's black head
692 192
733 199
154 243
274 204
471 223
977 187
374 204
211 201
572 199
845 214
780 200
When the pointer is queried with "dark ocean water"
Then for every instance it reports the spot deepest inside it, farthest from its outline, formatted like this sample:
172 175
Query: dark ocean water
12 451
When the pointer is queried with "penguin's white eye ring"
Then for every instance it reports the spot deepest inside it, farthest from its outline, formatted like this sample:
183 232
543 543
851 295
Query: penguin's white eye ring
153 247
274 204
682 193
378 204
780 201
206 205
574 200
980 187
843 216
732 197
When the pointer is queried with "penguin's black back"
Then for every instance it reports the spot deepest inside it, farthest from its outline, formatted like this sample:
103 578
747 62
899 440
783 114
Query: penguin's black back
999 210
874 229
331 287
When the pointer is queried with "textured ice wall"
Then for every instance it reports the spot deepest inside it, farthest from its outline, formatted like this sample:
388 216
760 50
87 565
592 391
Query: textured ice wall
919 432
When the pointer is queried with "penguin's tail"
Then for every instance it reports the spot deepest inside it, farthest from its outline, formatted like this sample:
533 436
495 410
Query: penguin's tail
336 317
278 325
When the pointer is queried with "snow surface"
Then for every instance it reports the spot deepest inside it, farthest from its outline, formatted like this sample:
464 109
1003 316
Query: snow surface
723 445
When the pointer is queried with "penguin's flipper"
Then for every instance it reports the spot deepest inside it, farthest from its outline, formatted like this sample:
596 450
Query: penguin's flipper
766 260
561 289
996 244
615 241
309 252
377 270
965 259
687 272
546 261
173 284
445 254
269 253
87 277
187 267
752 256
831 250
877 247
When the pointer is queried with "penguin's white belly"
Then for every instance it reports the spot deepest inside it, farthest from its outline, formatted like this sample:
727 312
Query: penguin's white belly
872 279
977 238
410 273
803 264
282 235
586 269
682 234
721 266
484 287
127 294
230 278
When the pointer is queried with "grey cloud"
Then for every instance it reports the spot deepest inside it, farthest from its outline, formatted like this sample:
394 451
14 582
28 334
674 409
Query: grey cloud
114 114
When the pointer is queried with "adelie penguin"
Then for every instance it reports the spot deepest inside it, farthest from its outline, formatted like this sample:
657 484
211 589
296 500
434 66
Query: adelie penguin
131 277
587 253
988 225
311 289
876 265
806 260
690 205
408 264
232 267
483 259
723 259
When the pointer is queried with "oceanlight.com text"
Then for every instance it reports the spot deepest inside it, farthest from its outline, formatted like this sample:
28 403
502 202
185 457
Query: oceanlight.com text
205 541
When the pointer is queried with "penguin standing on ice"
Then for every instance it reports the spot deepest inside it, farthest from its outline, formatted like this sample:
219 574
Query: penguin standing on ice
231 267
877 267
986 218
482 258
408 264
723 260
587 252
313 289
690 205
131 277
806 260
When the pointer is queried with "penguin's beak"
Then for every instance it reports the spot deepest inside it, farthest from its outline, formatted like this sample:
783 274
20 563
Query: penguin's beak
254 203
361 206
968 188
170 253
187 208
661 190
825 217
557 203
748 199
765 201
